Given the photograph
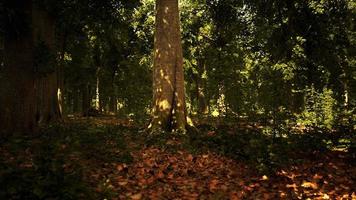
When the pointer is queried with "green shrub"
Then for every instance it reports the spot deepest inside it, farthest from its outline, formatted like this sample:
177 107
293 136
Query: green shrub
319 110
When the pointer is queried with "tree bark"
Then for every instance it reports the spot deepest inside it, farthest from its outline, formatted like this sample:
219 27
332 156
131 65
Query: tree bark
17 80
168 78
27 98
47 84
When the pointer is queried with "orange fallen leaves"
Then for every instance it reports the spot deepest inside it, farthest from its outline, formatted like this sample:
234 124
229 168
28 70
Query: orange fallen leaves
213 185
311 185
137 196
160 174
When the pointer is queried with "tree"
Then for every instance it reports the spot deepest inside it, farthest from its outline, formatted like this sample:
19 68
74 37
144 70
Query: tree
17 94
168 77
45 66
28 80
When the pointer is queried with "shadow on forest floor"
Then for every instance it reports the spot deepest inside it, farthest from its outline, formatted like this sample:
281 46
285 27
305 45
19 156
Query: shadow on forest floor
110 158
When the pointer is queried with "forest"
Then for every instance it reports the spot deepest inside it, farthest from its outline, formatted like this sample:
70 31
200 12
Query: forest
177 99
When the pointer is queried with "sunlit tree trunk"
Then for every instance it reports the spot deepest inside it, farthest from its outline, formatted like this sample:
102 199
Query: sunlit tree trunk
168 77
97 90
345 84
17 80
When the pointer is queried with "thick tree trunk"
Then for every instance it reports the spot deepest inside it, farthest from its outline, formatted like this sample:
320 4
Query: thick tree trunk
27 97
47 83
17 80
168 77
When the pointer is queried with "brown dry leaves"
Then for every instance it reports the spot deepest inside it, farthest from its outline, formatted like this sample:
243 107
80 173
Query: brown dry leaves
158 174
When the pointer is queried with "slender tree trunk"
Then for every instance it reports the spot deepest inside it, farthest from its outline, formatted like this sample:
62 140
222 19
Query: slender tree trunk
86 100
60 72
17 80
201 84
113 104
168 78
76 102
113 98
97 90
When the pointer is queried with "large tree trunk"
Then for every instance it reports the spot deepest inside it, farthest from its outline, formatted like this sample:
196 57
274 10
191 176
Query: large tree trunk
25 98
47 82
17 80
168 77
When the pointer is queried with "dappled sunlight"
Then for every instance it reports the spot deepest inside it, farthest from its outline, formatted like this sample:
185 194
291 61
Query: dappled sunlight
177 99
164 105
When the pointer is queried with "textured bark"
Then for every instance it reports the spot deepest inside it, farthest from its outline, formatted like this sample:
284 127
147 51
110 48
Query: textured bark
17 80
168 77
47 84
25 98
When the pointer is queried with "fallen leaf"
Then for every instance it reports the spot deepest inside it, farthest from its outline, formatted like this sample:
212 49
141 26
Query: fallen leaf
213 184
190 157
137 196
317 176
123 183
160 174
310 185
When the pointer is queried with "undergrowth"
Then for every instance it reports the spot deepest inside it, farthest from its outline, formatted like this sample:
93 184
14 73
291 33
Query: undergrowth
52 165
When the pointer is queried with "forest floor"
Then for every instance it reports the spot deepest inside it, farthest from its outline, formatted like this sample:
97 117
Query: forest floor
108 158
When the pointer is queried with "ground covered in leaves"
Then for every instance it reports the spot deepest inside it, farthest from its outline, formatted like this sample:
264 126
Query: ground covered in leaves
113 159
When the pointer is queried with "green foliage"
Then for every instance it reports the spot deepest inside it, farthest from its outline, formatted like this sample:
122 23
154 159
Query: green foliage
319 109
260 56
